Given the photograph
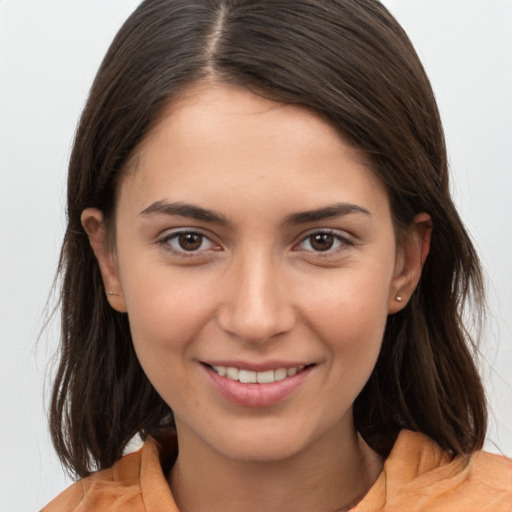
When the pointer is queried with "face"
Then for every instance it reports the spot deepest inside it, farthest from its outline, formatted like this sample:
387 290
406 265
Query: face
256 258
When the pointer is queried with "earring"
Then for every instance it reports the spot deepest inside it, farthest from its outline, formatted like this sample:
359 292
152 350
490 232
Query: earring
399 299
111 293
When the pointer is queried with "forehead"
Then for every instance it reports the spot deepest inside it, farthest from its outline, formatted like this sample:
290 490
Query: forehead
213 109
218 139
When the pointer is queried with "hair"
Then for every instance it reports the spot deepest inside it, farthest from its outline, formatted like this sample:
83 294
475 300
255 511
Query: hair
349 61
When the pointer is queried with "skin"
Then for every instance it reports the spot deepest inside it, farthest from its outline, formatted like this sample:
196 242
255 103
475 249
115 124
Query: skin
257 289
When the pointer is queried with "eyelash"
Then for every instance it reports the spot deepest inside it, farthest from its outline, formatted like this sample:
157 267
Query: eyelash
343 242
165 243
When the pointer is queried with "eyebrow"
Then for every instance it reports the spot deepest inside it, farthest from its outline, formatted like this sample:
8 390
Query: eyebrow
198 213
184 210
335 210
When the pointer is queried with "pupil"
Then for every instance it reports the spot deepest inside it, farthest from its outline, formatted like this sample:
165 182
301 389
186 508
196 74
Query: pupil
190 241
322 242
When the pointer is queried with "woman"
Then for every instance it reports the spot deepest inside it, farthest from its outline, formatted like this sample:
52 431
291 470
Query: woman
252 196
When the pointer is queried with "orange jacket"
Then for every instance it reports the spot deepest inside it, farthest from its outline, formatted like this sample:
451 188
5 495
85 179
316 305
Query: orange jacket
417 477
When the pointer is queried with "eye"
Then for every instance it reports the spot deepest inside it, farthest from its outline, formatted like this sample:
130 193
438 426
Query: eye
322 242
188 243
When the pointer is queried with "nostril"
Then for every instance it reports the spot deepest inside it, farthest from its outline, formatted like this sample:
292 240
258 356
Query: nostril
253 326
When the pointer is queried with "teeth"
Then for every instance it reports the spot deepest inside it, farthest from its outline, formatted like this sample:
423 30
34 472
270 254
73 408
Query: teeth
265 377
249 377
232 373
221 370
280 374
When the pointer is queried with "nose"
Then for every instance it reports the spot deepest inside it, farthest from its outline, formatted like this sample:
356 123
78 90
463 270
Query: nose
256 303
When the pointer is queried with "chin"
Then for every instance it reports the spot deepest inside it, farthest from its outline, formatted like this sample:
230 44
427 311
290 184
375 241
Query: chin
263 442
262 449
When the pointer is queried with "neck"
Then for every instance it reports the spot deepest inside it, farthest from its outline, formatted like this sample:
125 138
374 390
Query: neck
333 475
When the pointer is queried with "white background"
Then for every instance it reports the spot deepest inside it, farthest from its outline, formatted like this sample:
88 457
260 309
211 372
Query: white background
49 52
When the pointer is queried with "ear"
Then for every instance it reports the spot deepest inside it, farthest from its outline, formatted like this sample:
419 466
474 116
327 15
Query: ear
411 257
94 225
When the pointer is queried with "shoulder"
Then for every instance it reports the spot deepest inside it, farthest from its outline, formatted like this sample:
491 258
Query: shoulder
419 476
125 486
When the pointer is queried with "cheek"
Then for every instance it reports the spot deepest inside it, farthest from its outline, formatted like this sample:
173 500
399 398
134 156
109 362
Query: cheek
166 309
166 315
349 314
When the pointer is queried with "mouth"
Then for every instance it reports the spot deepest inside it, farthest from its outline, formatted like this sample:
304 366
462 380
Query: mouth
252 377
257 387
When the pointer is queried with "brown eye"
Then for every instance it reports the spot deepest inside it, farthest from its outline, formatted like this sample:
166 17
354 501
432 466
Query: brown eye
322 241
190 241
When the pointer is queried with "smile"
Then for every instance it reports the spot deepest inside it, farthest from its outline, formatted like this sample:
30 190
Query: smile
251 377
257 387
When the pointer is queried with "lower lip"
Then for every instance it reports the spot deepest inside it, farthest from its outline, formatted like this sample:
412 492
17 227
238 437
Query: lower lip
257 395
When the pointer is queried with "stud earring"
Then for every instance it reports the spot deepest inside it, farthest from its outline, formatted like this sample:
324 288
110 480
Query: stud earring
111 293
399 299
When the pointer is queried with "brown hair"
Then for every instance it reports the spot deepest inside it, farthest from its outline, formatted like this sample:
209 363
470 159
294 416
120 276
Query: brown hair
346 59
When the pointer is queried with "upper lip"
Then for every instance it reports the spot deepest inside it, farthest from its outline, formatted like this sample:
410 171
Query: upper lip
257 366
